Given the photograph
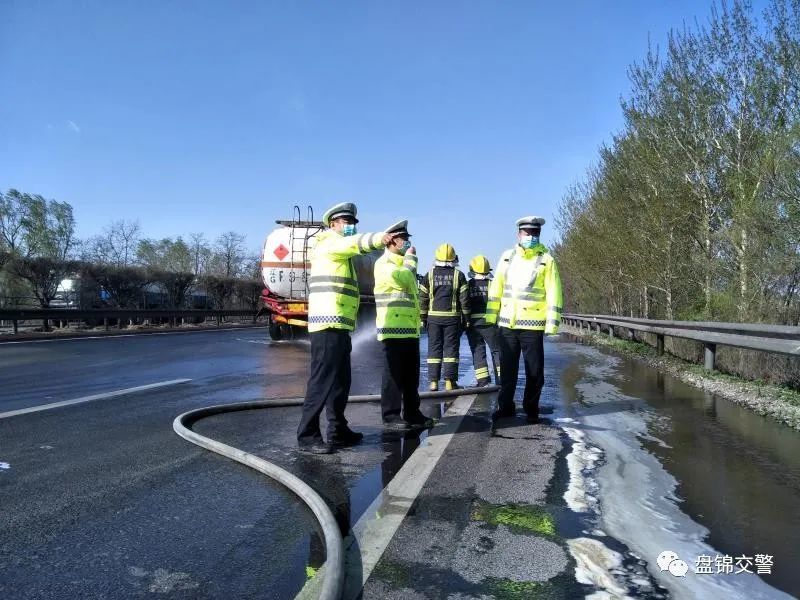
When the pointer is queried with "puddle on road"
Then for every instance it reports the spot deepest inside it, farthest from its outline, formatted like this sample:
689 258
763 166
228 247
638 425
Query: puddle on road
352 478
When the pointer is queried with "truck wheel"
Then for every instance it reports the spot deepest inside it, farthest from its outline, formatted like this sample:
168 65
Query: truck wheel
275 331
287 332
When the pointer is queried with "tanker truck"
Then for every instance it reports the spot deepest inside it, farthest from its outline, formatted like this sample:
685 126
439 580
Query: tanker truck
285 268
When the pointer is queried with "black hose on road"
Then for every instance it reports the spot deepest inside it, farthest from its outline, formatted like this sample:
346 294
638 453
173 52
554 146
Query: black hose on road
334 577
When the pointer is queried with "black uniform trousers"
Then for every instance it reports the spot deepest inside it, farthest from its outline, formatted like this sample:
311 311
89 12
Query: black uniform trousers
400 383
443 341
479 336
531 345
328 384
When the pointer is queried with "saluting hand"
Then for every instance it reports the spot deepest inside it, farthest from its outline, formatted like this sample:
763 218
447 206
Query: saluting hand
387 238
412 250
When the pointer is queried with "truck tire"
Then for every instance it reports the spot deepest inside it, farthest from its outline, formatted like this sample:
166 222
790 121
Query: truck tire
275 331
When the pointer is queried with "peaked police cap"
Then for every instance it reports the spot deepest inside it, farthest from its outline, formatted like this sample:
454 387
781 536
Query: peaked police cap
345 209
399 228
530 223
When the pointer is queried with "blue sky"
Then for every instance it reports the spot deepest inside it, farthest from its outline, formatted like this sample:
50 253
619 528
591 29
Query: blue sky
216 116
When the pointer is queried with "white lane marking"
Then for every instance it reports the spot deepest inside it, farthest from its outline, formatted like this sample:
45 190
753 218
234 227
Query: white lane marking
141 388
377 526
4 466
127 335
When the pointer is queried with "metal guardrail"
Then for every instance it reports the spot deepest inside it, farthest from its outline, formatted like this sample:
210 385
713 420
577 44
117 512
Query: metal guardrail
778 339
119 314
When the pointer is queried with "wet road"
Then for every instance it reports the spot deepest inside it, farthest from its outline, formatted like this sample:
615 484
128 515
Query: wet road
103 500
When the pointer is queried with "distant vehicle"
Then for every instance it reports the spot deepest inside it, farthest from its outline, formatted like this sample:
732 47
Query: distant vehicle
285 268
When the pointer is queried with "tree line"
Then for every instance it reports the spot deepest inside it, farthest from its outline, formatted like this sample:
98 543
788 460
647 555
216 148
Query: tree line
693 209
118 267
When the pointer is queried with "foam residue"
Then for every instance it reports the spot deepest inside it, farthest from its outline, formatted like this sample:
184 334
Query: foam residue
595 565
634 497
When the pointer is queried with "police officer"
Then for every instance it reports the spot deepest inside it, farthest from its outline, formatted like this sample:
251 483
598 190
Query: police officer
444 304
480 333
526 303
332 309
398 320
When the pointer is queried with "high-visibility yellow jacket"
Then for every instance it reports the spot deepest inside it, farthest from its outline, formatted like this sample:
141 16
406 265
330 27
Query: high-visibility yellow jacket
334 298
396 296
526 291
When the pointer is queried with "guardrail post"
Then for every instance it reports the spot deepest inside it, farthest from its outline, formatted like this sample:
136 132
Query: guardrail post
660 344
611 331
14 323
219 320
711 354
105 323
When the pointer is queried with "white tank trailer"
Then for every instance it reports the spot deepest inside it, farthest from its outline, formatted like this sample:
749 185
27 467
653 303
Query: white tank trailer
285 268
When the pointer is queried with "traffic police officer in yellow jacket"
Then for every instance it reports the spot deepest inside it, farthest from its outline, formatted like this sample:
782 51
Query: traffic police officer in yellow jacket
398 321
332 309
444 304
480 333
526 303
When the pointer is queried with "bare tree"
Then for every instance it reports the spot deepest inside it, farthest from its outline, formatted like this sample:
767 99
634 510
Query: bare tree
116 246
229 254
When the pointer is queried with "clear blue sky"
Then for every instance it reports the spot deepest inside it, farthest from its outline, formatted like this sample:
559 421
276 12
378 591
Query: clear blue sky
215 116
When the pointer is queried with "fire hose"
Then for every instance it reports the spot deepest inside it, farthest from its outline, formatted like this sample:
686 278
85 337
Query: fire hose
333 583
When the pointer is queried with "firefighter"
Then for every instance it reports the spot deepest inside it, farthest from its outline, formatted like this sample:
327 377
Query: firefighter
525 302
398 320
332 309
480 333
444 307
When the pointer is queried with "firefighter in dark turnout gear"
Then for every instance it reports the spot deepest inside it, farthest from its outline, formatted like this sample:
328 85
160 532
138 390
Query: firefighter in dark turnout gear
444 309
481 333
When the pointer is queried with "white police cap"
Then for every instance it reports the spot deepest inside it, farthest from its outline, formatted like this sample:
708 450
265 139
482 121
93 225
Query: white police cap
399 228
345 209
530 222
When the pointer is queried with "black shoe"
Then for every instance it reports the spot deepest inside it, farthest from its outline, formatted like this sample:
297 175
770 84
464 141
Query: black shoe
346 437
503 413
532 418
419 421
485 382
395 424
317 448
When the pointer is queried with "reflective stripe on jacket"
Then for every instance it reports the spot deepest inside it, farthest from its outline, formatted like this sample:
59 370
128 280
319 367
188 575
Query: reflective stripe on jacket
526 291
396 296
444 293
334 297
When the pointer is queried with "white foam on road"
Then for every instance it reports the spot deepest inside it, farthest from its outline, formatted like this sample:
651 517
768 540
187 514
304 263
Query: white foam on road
637 503
4 466
104 396
595 565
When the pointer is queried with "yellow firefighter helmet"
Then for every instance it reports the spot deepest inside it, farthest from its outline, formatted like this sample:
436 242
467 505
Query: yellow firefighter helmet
480 264
446 253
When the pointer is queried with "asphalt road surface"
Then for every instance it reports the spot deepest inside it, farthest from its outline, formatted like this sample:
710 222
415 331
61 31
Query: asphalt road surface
101 499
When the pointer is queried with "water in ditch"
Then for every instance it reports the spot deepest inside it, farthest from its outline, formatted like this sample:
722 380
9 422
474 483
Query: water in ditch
668 467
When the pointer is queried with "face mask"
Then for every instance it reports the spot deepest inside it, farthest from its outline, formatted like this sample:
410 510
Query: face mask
348 230
528 241
406 245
